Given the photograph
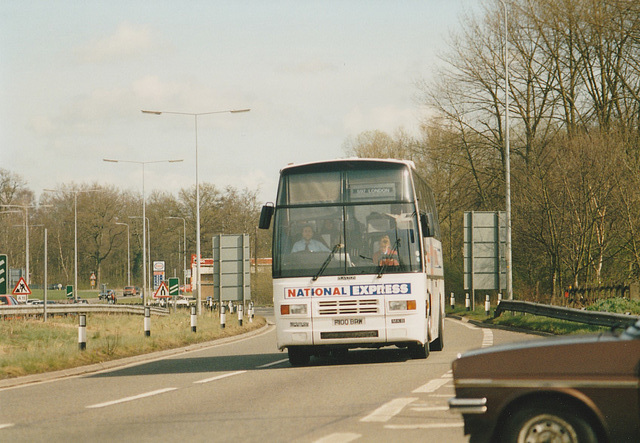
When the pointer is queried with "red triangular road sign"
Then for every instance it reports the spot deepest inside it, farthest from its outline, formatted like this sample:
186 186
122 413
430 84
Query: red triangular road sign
21 288
162 291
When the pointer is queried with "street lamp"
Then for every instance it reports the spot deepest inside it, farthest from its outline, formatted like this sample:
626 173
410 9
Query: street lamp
25 208
75 236
195 116
144 216
148 224
507 160
184 247
128 253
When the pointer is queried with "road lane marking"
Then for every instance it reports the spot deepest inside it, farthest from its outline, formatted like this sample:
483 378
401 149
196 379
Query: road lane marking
126 399
429 408
6 425
273 363
487 338
218 377
388 410
427 426
339 437
431 386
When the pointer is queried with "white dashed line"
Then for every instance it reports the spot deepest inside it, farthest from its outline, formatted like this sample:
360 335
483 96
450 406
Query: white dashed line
343 437
431 386
272 363
388 410
6 425
135 397
487 338
218 377
426 426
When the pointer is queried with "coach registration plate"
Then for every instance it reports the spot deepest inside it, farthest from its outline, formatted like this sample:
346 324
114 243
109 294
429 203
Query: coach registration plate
358 321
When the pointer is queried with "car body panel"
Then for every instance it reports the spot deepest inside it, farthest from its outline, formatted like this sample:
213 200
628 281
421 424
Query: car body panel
596 374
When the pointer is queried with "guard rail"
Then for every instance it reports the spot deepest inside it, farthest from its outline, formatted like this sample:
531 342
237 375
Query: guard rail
576 315
77 308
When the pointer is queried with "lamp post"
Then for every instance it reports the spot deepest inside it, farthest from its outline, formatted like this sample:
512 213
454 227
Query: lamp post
195 115
128 253
507 160
184 247
25 208
75 237
148 225
144 216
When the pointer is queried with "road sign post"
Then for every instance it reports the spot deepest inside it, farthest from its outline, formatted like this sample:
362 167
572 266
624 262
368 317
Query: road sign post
69 291
3 274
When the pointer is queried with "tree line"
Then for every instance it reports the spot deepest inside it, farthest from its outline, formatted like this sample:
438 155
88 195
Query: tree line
574 107
107 218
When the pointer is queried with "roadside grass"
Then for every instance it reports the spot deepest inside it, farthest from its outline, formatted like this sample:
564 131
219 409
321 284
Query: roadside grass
546 324
30 346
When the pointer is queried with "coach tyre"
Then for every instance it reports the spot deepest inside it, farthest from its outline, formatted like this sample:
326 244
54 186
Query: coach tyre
544 422
298 356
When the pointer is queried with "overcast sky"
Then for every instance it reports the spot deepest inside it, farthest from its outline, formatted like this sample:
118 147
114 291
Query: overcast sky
74 76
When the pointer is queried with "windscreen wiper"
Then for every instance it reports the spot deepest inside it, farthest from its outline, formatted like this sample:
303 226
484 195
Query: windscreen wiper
328 260
383 267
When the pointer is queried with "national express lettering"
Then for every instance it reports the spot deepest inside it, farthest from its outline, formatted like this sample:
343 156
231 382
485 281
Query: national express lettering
379 289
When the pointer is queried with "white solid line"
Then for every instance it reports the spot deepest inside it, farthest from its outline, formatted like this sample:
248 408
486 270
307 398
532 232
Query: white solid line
339 437
430 408
426 426
273 363
432 385
126 399
388 410
6 425
218 377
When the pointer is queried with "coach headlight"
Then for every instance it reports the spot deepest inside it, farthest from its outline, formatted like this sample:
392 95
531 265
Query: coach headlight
293 309
402 305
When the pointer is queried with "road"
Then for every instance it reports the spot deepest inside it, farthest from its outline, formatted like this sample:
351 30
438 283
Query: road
247 391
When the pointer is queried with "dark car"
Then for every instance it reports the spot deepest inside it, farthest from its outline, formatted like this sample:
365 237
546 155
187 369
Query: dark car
571 389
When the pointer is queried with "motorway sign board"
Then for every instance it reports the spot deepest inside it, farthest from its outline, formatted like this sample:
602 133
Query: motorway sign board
174 286
69 291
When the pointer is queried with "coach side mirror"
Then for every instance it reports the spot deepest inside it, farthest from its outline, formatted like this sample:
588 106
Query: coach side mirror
265 216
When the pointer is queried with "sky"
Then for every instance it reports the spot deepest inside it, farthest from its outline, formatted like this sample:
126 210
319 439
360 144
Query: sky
75 75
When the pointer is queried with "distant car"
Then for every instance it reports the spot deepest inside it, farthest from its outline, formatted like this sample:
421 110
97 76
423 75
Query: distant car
81 300
583 388
8 300
33 301
129 291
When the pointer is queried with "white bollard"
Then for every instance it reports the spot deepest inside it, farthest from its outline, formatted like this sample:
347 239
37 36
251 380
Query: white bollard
82 332
487 305
467 302
223 316
499 298
194 319
147 321
453 301
240 309
250 312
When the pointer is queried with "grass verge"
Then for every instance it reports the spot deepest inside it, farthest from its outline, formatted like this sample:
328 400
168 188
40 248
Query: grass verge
31 346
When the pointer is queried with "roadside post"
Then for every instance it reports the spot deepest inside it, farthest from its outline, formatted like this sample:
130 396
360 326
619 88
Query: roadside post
82 332
147 321
467 302
487 305
453 301
240 309
223 315
194 319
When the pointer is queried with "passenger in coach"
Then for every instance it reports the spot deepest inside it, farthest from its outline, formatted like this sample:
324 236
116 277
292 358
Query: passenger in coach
308 243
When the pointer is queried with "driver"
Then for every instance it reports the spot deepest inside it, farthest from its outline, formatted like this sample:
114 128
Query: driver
308 243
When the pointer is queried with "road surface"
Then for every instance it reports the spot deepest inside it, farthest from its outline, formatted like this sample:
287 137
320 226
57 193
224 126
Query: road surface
246 391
